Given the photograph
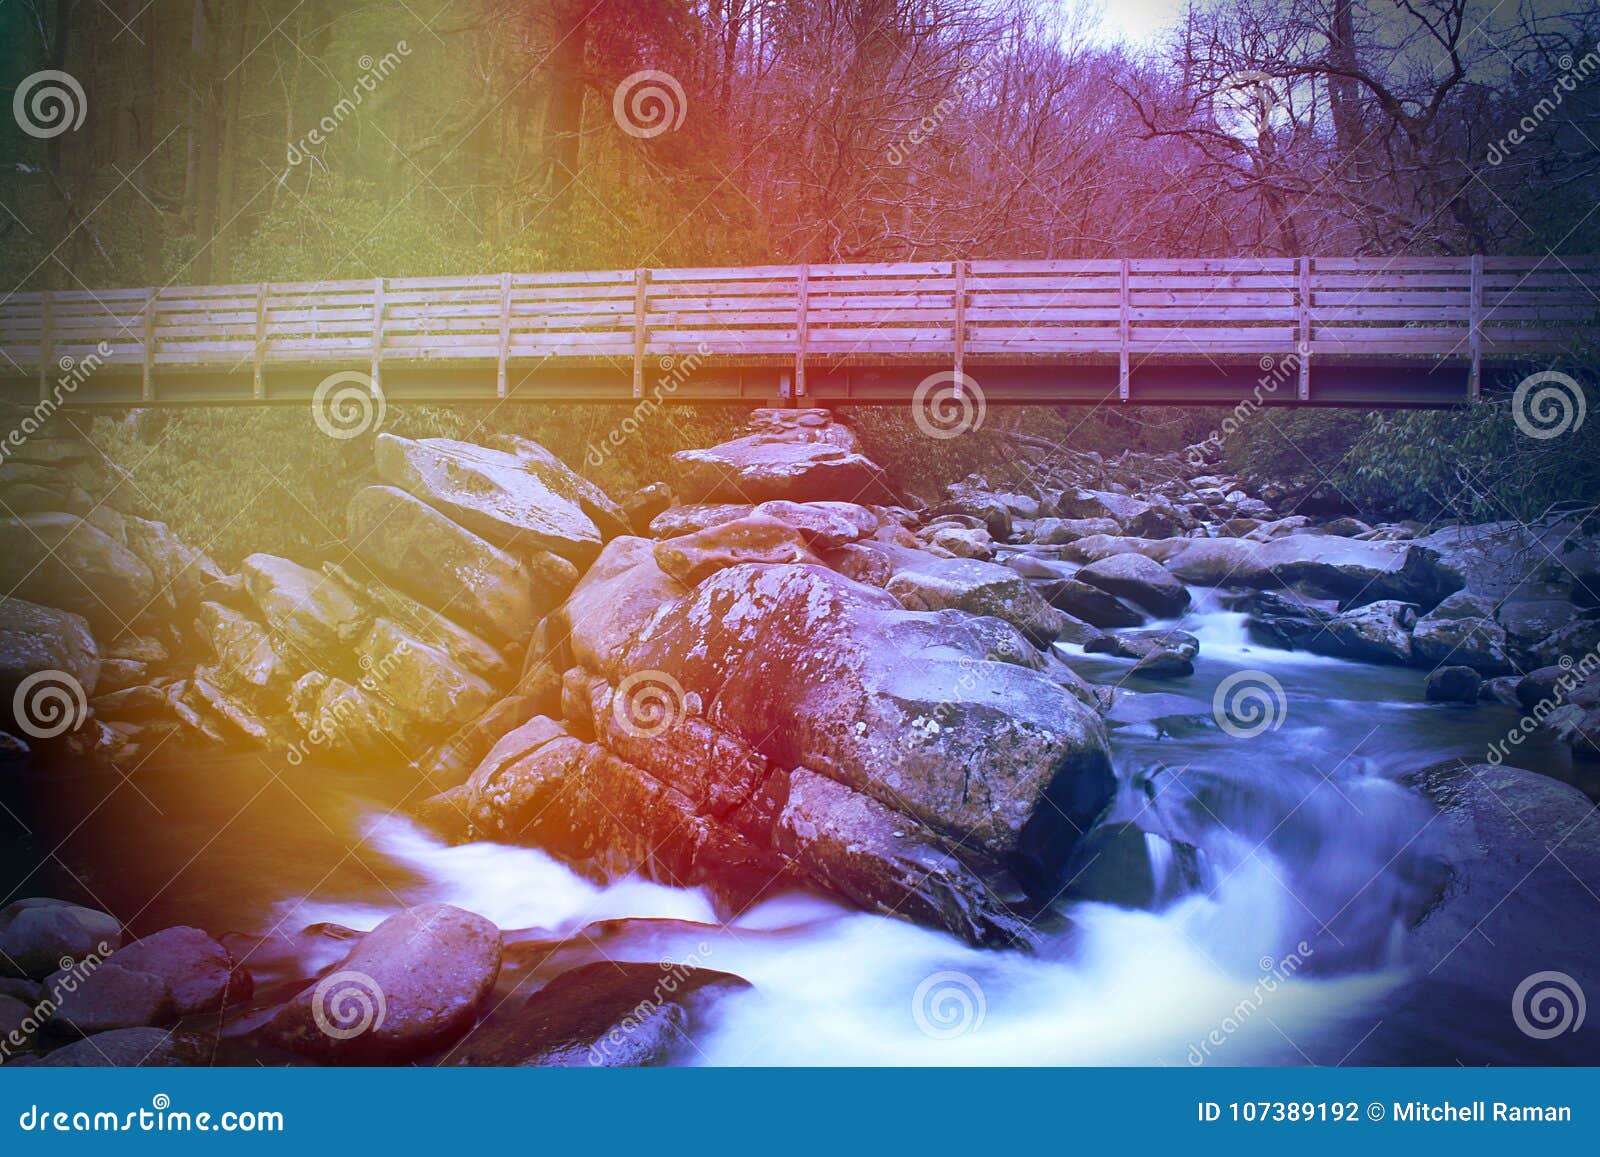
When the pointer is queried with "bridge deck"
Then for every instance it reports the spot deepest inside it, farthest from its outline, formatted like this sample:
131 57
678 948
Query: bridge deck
1322 330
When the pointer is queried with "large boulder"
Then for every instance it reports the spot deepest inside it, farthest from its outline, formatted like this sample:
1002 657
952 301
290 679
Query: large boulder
1090 604
604 511
1215 562
415 548
410 986
1569 644
1349 569
422 681
618 596
979 588
808 456
1519 853
493 494
823 525
199 974
1489 559
1528 622
1462 631
38 936
89 1000
1453 685
315 615
63 561
466 649
342 719
36 638
1376 633
812 670
1058 531
1141 581
782 722
678 520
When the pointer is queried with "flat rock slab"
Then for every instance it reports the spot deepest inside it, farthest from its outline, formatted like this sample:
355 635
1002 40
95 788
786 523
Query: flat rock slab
493 494
606 1014
449 568
810 457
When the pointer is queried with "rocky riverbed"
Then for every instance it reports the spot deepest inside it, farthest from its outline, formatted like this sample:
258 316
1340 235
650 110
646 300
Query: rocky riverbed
1033 734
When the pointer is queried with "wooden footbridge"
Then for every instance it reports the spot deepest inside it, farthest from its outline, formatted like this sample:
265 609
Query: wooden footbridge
1369 331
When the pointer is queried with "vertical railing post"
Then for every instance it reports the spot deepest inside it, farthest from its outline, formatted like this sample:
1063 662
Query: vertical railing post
1124 333
377 333
801 329
641 282
46 334
147 380
505 336
258 352
1475 330
1303 329
958 332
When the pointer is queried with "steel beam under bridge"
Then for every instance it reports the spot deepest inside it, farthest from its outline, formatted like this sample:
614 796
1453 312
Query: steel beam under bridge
1372 384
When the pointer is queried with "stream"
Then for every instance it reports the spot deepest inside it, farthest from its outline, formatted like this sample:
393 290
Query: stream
1312 853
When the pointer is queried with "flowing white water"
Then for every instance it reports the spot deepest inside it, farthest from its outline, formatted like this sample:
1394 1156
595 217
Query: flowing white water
1310 866
1211 979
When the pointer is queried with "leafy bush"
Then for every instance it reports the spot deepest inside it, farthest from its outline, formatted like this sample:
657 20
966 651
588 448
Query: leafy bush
1474 464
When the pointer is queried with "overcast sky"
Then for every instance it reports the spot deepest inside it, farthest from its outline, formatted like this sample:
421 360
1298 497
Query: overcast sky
1138 22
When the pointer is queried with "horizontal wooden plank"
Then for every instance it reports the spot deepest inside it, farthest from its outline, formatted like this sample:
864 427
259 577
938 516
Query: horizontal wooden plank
1378 306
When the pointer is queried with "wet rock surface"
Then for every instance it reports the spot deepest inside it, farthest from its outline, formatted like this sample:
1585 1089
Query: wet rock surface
410 986
607 1014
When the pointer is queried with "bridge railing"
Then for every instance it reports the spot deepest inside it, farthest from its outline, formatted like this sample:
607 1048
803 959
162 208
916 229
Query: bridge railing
1467 308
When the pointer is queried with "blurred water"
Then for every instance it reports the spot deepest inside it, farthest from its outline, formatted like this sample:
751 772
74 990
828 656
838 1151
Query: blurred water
1313 856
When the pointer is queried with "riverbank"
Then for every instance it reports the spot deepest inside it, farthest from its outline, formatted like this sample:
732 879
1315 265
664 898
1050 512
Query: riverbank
1128 733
